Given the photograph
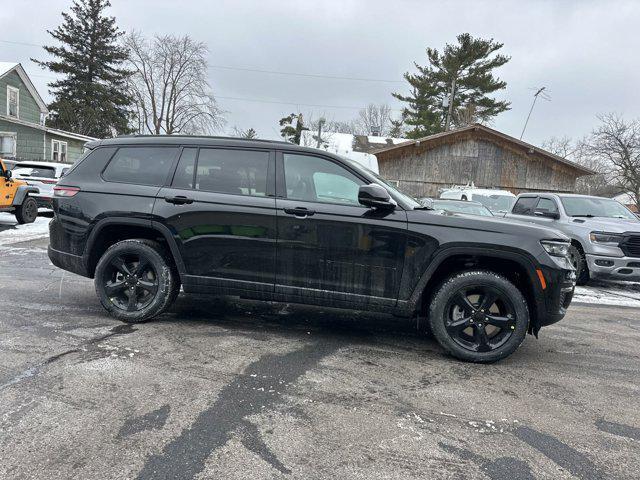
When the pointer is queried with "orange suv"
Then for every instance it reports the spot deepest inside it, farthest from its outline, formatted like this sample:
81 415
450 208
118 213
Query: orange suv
15 197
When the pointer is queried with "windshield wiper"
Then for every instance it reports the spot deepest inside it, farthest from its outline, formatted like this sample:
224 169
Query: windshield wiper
588 215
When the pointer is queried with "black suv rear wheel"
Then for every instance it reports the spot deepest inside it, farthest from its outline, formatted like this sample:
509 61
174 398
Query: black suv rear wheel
135 280
479 316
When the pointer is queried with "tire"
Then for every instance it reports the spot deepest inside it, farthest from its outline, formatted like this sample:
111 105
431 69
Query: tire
461 327
576 257
28 211
136 280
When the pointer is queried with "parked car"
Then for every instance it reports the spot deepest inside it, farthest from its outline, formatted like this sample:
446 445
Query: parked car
17 197
43 175
457 206
605 235
498 201
274 221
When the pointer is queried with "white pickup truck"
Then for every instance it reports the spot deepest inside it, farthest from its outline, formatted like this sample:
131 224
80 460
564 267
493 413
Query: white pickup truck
605 235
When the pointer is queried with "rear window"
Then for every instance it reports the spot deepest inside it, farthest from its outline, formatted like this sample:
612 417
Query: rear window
27 170
239 172
140 165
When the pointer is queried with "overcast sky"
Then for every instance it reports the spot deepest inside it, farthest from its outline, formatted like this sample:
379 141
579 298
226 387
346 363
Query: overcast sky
584 52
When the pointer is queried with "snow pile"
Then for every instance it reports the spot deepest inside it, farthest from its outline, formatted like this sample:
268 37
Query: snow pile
11 232
609 295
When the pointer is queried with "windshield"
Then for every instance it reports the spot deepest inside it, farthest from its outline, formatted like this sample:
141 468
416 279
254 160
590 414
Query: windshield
495 202
24 170
595 207
462 207
413 203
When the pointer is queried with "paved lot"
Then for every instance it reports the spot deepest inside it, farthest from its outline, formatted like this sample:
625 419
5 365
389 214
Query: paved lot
228 389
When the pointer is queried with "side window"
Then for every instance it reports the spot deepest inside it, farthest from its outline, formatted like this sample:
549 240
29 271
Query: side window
186 170
141 165
315 179
524 206
239 172
547 205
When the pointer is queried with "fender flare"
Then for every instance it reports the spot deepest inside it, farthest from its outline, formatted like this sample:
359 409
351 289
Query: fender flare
22 192
160 228
524 259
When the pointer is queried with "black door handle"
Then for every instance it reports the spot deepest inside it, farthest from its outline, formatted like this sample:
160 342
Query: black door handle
299 211
178 200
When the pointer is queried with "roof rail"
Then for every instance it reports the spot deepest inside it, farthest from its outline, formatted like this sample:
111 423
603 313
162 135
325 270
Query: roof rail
214 137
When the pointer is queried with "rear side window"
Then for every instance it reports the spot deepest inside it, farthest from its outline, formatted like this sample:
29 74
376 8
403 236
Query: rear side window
185 172
141 165
524 206
239 172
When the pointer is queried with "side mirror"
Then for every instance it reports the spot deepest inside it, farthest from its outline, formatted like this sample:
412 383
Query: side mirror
7 174
546 214
375 196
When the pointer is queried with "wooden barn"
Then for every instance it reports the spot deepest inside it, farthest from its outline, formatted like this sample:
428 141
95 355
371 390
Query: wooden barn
478 154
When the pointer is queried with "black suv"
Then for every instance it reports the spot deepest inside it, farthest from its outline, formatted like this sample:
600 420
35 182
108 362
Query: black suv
274 221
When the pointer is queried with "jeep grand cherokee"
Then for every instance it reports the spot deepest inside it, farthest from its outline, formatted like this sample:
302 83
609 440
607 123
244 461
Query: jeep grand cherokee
274 221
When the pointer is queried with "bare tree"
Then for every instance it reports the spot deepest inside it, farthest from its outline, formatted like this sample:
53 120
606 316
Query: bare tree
560 146
169 85
616 142
374 119
601 183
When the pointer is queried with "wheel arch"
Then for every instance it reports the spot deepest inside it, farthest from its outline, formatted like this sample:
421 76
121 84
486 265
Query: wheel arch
516 267
111 230
21 193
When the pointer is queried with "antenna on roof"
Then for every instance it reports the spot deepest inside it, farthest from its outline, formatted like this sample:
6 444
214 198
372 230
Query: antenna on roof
542 93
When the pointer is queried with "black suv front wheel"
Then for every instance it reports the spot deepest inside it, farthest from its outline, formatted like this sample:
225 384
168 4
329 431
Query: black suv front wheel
479 316
135 280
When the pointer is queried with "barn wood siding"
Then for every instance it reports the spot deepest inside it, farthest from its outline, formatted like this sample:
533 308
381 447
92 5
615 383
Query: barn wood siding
423 170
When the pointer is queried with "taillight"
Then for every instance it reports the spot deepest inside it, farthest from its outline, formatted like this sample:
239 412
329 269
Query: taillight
65 191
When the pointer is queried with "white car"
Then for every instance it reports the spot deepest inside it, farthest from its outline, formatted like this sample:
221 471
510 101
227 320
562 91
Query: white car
43 175
498 201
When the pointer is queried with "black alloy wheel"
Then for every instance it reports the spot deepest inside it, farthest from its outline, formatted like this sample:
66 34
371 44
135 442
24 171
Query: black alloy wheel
479 316
136 280
28 211
130 282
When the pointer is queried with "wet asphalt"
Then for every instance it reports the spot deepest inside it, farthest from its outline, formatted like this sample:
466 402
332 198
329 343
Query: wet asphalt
229 389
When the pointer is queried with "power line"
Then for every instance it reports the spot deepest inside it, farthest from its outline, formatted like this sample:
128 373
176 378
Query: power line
299 104
306 75
270 72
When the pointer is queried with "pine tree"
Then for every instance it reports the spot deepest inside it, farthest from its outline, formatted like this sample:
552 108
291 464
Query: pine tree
290 132
91 97
467 69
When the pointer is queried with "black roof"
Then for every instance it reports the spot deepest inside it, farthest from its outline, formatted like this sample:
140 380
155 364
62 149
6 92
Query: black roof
194 140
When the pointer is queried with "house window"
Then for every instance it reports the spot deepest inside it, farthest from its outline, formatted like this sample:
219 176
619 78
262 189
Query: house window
7 144
13 101
58 151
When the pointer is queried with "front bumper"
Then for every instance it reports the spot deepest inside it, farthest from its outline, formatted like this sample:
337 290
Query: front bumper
558 295
613 268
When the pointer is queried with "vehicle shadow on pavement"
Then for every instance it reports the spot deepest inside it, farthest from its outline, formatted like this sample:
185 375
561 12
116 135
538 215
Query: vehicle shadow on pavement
263 320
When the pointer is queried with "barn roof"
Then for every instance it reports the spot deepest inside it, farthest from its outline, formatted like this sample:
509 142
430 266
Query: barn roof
490 132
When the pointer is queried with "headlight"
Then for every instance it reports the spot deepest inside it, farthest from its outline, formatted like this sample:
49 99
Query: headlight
606 238
555 247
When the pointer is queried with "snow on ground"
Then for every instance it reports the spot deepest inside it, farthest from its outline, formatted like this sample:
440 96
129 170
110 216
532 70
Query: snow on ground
11 232
625 294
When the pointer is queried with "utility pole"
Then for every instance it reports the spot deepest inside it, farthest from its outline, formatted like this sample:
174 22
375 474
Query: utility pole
320 123
535 97
450 111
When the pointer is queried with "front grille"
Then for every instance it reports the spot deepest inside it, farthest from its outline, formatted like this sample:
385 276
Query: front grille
631 245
